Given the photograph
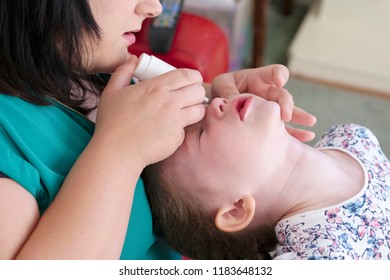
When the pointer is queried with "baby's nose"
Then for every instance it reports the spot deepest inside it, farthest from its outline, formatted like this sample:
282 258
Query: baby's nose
218 107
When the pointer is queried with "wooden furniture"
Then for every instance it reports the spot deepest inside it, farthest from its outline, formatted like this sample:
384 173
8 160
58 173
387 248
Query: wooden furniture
259 31
260 27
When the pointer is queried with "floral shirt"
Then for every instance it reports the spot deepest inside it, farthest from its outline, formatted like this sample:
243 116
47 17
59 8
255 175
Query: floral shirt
358 228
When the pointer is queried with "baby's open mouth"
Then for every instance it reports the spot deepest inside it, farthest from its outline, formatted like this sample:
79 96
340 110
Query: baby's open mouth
242 107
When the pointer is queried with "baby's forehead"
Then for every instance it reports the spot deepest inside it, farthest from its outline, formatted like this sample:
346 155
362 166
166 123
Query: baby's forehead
176 172
173 166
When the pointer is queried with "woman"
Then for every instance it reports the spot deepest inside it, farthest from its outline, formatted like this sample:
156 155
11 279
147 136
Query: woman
70 189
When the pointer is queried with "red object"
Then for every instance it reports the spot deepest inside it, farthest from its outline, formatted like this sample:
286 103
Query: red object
199 43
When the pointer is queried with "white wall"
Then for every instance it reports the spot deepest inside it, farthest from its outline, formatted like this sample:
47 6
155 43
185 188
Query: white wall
345 42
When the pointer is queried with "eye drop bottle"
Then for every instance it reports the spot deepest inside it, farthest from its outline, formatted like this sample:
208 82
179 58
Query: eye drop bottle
150 66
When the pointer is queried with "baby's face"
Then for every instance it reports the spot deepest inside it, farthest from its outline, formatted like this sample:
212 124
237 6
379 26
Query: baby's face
227 150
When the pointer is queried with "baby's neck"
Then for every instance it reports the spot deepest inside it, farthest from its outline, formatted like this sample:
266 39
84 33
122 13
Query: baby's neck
308 179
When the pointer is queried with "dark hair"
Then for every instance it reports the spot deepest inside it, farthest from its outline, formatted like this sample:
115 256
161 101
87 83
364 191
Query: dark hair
41 48
189 228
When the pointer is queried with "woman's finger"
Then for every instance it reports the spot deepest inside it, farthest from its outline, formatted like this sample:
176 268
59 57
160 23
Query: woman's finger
301 117
178 78
300 134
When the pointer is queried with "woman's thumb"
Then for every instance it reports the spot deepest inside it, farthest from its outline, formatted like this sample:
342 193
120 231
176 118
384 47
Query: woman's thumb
122 75
224 86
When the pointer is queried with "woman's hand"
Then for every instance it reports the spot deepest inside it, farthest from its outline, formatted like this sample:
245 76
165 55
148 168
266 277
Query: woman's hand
145 122
267 82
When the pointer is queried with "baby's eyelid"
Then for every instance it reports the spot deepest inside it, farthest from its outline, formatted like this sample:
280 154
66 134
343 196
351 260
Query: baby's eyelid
200 131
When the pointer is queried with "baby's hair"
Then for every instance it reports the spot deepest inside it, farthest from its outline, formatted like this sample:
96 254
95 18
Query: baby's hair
41 50
189 228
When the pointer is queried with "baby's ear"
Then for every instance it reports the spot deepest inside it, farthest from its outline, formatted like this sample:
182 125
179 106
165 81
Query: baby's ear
235 217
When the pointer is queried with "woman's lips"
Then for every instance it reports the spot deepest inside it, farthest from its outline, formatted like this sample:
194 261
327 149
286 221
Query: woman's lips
129 37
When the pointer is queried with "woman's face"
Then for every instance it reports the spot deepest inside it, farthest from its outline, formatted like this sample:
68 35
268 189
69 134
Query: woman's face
118 21
230 148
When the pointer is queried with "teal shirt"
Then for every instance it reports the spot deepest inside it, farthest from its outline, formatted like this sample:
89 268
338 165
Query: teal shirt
38 147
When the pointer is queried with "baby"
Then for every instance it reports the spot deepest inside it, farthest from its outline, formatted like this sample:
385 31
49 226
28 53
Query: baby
241 186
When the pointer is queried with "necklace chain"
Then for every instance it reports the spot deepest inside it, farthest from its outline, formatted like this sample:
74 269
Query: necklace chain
68 107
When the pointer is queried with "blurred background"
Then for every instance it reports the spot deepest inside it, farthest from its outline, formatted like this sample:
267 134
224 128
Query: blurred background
332 99
337 51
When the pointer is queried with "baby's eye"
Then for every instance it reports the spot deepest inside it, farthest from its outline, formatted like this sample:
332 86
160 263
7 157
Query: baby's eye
200 131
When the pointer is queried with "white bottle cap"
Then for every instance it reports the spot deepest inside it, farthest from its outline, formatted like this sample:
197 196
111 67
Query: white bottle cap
150 66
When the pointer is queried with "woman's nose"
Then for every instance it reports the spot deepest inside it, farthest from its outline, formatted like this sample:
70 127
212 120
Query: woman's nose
150 8
217 108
